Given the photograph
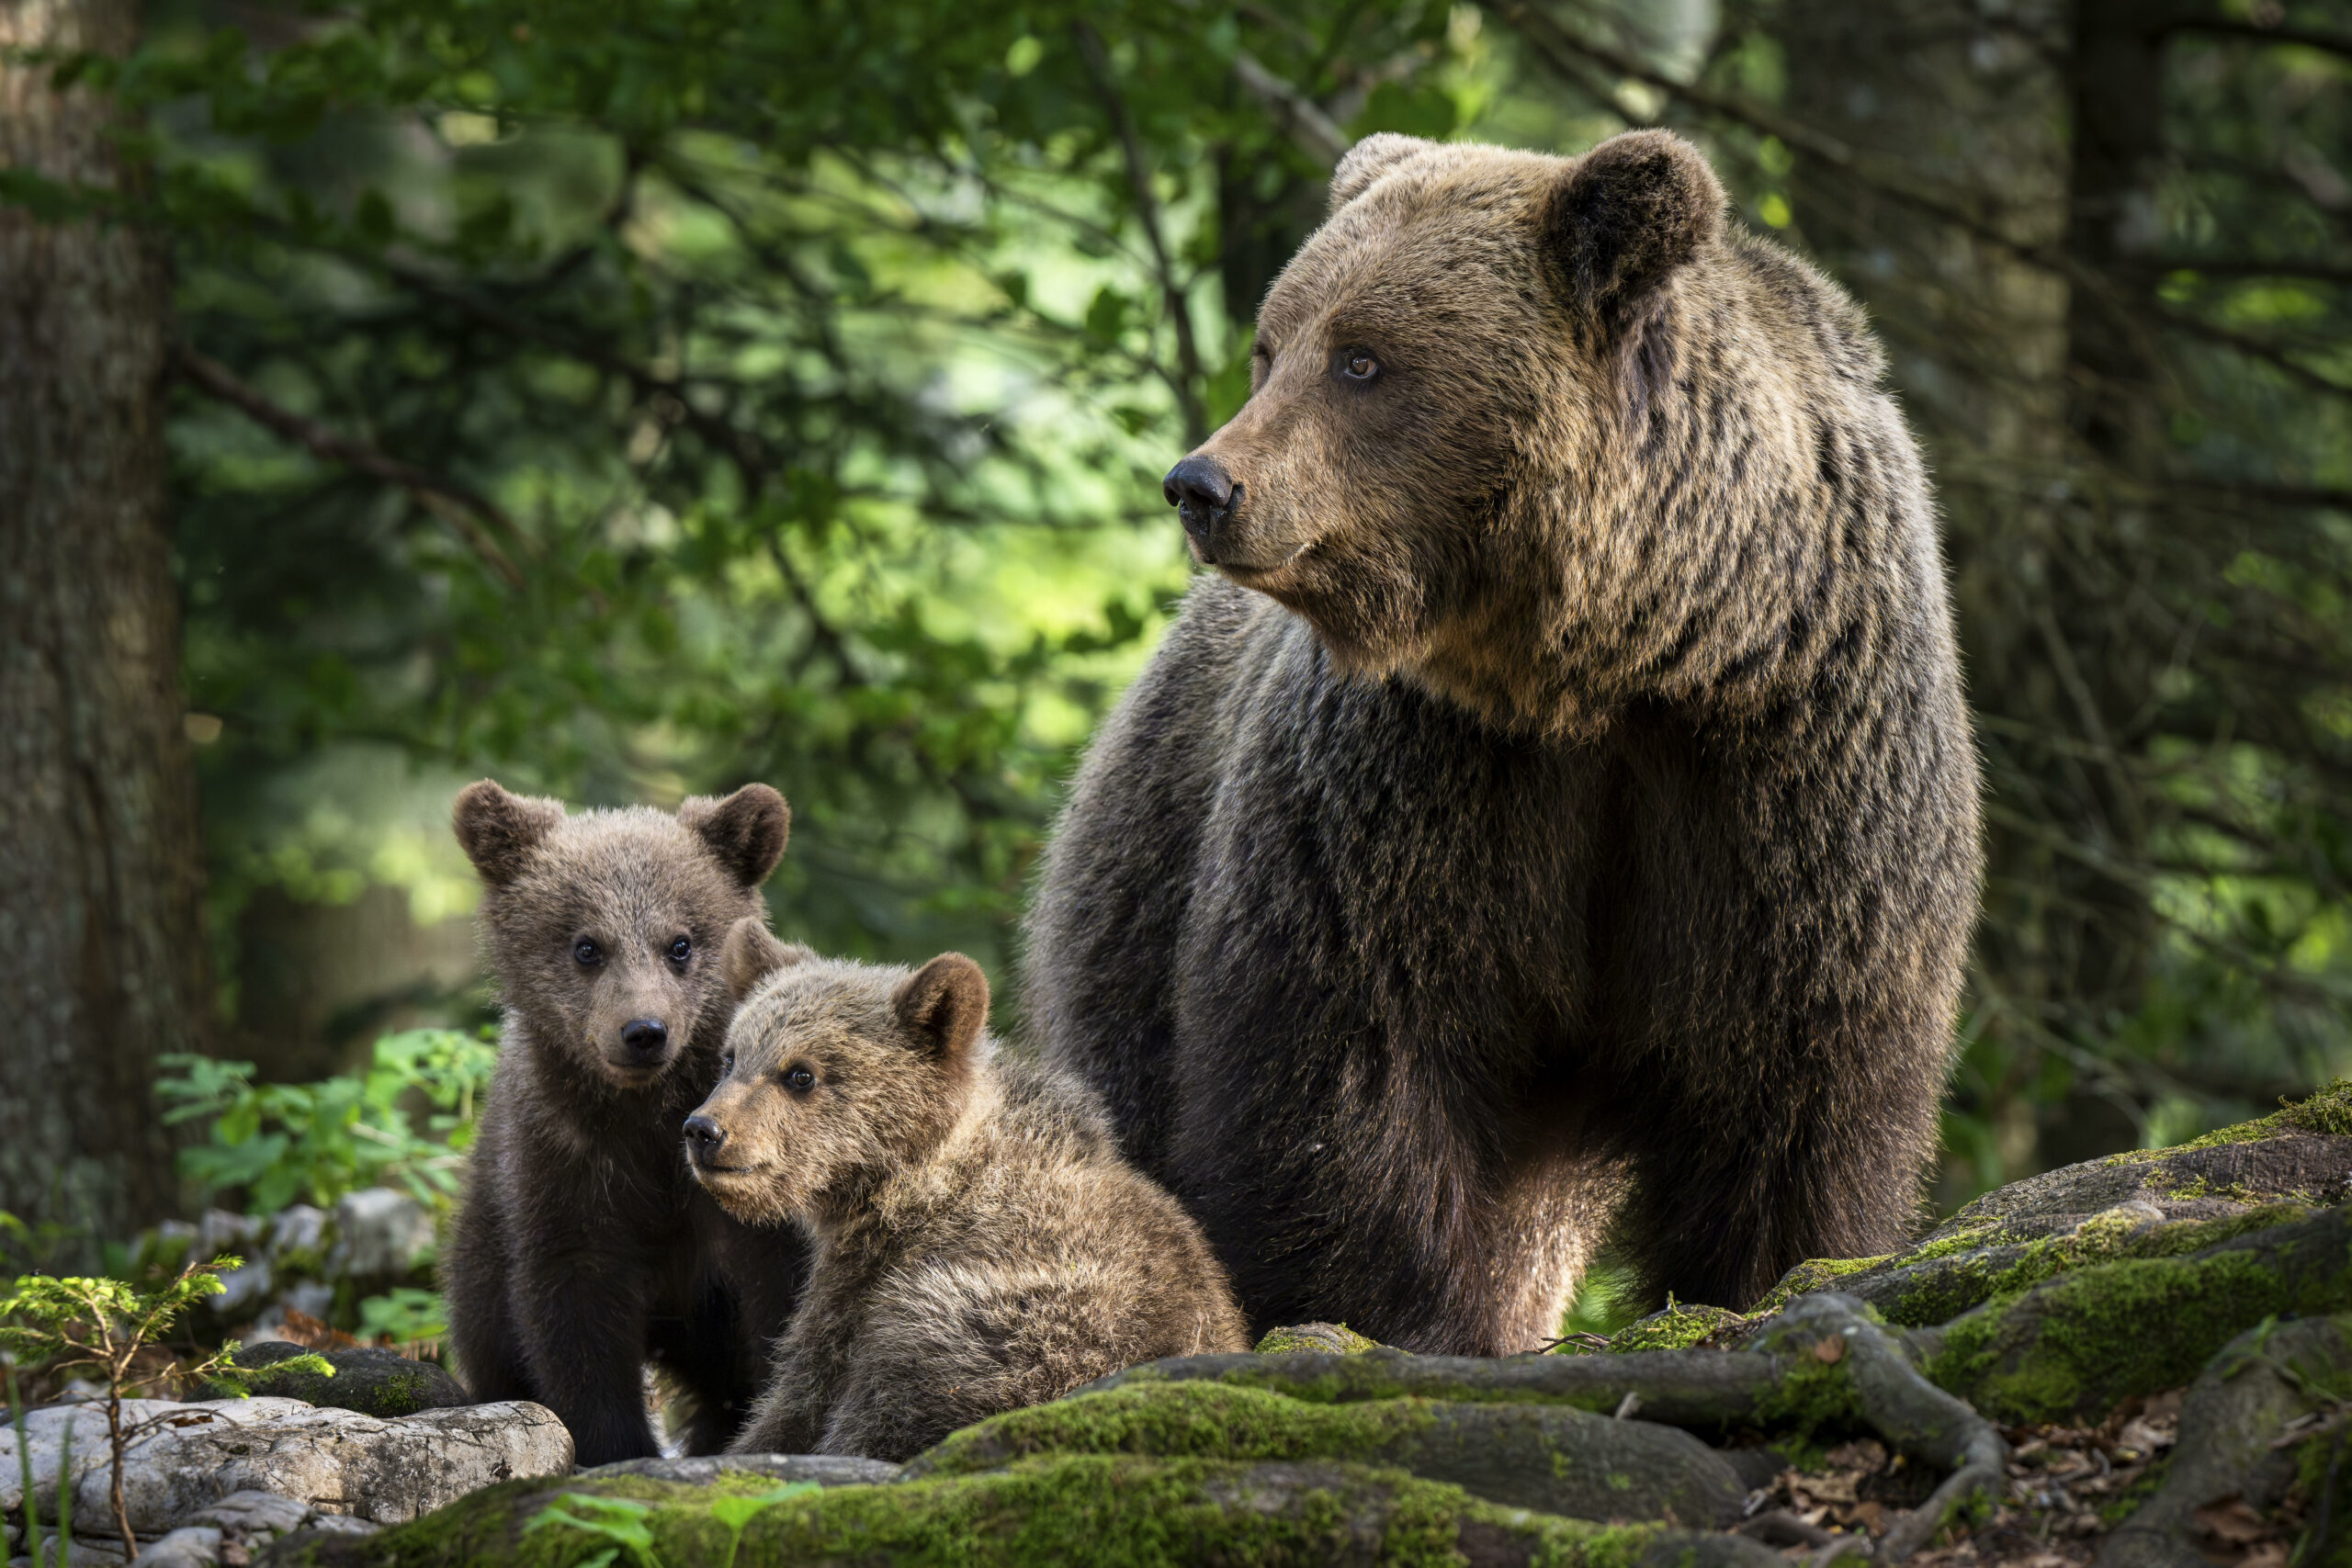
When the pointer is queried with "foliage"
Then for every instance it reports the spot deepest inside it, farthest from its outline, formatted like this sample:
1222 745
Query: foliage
281 1143
35 1547
639 400
111 1327
627 1523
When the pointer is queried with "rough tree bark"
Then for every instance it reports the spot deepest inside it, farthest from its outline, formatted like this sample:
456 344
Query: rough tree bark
100 857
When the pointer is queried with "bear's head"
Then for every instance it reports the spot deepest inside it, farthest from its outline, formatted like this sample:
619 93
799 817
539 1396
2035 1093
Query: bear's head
1519 424
605 927
837 1075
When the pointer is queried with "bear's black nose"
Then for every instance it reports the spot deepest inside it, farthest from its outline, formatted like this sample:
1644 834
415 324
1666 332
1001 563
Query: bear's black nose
1201 491
645 1036
704 1136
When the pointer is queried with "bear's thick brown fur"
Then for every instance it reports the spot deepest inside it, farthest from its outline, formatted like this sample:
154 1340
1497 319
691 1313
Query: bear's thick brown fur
584 1245
1561 805
978 1242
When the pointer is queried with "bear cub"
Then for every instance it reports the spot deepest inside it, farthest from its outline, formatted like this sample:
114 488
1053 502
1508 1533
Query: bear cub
583 1247
978 1242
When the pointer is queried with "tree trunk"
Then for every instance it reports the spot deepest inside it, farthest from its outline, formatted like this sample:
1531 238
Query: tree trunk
101 870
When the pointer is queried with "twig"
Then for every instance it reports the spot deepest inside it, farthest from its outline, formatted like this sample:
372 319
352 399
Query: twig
1298 113
464 510
1188 355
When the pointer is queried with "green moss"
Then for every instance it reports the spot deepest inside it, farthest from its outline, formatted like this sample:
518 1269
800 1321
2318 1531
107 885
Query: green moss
1117 1510
1208 1420
1336 1338
1676 1328
2325 1111
2081 1342
1813 1397
1817 1274
2323 1474
1373 1375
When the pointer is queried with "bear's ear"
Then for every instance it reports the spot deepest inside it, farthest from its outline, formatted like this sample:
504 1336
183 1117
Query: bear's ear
753 952
1367 161
499 830
944 1004
747 831
1627 214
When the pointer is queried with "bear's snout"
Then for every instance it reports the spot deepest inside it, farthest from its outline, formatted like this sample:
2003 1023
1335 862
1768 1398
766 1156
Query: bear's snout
705 1138
1205 496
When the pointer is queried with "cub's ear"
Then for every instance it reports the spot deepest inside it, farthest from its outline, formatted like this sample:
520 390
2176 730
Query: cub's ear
746 830
752 952
499 830
1367 161
1628 213
944 1004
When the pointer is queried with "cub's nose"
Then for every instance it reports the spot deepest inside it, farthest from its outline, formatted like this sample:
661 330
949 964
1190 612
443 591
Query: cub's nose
645 1037
703 1137
1202 493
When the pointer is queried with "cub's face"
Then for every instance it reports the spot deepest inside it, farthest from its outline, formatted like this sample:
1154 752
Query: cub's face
605 928
1444 339
836 1075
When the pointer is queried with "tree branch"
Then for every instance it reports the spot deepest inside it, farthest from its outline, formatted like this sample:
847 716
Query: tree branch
1298 115
1188 355
466 511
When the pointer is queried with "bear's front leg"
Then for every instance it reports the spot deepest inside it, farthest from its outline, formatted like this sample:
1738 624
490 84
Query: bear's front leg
581 1315
789 1418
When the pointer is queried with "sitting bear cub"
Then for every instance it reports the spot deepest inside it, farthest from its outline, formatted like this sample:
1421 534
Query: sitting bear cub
582 1250
978 1242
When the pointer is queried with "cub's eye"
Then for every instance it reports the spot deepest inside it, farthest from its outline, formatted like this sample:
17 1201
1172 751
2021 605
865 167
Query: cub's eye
727 1064
799 1080
681 950
1357 365
586 954
1260 351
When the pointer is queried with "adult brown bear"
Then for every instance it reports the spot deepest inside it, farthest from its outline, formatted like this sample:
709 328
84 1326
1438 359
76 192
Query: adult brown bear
1560 809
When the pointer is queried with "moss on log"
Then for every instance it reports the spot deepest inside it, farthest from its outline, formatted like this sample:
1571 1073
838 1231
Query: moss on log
1104 1510
1555 1458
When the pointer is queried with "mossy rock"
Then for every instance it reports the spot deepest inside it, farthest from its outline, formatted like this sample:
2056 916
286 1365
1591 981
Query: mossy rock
2075 1346
1107 1509
1556 1459
2142 1203
1676 1327
1337 1339
371 1380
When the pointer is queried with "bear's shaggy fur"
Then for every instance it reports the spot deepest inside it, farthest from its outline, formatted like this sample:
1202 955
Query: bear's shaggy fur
584 1245
1562 804
979 1245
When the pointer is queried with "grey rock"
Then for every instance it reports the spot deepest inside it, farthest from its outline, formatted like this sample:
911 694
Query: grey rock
378 1232
825 1470
341 1462
190 1546
301 1229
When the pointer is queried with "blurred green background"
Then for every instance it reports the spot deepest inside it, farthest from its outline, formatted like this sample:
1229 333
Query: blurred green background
640 399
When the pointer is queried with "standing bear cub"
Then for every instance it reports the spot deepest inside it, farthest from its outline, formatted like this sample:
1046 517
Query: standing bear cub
584 1247
1559 806
978 1242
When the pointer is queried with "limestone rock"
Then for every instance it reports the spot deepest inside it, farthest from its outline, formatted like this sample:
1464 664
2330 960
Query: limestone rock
338 1461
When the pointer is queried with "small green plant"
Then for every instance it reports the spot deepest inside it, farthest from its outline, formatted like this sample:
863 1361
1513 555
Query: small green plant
278 1143
627 1523
404 1314
737 1512
64 1547
624 1521
103 1325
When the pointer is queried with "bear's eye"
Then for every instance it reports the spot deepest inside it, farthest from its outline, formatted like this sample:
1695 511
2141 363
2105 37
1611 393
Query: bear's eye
1358 364
586 954
799 1080
727 1064
681 950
